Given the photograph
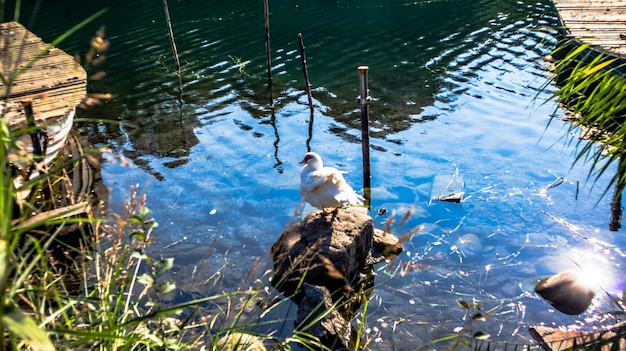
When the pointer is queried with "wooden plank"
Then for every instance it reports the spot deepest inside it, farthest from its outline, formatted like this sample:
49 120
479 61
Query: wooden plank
52 215
593 5
615 18
553 339
590 2
601 23
54 82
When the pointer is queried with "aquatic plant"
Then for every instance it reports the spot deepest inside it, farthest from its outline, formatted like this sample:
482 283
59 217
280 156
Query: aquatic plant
592 87
469 335
74 294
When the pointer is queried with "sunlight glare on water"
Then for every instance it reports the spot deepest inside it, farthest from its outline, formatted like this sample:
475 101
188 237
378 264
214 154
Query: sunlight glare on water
597 268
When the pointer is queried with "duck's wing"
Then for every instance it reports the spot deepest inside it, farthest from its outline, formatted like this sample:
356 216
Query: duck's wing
323 176
347 195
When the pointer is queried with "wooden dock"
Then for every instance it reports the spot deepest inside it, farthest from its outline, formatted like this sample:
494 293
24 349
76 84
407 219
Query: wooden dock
44 77
39 92
601 23
48 77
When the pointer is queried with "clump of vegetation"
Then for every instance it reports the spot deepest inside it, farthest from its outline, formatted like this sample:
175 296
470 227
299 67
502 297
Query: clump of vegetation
592 87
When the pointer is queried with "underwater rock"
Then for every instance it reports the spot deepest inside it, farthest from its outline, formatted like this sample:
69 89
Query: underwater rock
566 291
240 341
331 328
385 245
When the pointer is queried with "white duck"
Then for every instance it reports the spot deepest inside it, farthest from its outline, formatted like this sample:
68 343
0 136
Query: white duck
325 187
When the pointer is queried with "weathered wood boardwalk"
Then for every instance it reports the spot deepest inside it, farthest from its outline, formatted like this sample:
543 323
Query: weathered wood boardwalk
40 88
601 23
43 77
54 83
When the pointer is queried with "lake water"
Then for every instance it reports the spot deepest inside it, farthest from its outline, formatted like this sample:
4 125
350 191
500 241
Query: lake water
458 87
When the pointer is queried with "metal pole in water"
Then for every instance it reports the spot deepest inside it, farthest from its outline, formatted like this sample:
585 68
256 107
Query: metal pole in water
268 59
364 101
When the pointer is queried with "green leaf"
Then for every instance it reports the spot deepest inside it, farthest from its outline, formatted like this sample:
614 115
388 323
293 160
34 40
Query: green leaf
144 212
166 287
139 254
478 317
25 328
135 219
139 236
594 69
145 279
464 304
150 225
481 336
463 342
445 338
3 254
162 265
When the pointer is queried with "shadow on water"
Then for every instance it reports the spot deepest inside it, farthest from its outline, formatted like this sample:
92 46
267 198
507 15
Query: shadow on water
409 47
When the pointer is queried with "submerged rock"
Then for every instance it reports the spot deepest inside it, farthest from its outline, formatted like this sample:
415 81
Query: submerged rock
385 245
240 341
566 291
317 316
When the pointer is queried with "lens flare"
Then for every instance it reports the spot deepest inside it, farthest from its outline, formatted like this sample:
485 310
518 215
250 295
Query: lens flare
594 268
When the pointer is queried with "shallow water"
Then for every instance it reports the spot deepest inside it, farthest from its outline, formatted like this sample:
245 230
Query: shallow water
458 87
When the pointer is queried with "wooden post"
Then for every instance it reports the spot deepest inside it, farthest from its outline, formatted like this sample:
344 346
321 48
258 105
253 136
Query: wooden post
307 84
170 33
268 58
179 71
364 101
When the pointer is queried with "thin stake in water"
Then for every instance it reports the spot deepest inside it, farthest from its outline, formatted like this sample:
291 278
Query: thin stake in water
170 33
307 84
364 101
268 58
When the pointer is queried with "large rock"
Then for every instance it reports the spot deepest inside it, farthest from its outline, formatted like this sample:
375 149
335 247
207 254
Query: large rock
325 249
316 316
324 264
